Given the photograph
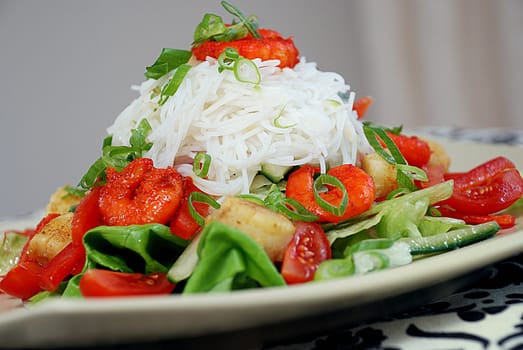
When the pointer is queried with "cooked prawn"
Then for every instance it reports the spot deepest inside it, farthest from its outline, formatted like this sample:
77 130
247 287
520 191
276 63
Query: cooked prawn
271 46
140 194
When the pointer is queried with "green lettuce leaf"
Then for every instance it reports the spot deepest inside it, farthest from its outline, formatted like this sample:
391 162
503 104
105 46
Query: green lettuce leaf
136 248
229 260
10 249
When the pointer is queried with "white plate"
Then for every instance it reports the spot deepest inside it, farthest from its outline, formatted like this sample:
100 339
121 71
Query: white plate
70 322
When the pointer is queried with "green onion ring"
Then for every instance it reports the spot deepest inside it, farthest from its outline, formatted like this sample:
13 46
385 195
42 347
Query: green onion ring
295 211
252 198
201 164
224 62
325 179
202 198
246 71
413 172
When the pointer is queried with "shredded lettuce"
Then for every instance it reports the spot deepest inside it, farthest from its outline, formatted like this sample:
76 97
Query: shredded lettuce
10 249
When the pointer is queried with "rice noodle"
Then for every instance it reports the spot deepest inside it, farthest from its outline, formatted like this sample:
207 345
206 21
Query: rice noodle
293 117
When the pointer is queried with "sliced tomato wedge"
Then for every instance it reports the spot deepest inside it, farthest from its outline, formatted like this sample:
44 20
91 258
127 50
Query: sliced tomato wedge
183 224
359 185
86 216
486 189
69 261
503 220
22 281
307 249
106 283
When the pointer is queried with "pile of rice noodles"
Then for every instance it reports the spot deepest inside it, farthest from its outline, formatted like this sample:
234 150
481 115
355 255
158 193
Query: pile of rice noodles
293 117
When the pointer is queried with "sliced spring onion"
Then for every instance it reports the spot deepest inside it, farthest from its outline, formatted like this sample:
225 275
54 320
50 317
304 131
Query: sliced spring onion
246 71
253 198
325 179
249 23
277 124
93 174
175 82
413 172
202 198
405 172
114 156
295 211
276 201
227 59
168 60
201 165
372 133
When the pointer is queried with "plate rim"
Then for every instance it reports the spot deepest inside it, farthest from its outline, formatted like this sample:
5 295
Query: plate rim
340 293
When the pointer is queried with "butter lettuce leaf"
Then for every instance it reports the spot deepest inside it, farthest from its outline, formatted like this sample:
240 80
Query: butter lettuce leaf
136 248
228 260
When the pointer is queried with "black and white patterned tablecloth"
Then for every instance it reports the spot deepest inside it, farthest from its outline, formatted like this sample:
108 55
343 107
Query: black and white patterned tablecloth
487 315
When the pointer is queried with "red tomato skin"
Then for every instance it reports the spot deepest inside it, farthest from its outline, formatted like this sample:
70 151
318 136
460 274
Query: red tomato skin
69 261
106 283
480 174
503 220
495 194
86 216
415 151
183 224
359 185
307 249
361 106
22 281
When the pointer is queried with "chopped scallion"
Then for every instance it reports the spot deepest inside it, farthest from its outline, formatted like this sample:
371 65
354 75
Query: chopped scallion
175 82
202 198
201 164
325 179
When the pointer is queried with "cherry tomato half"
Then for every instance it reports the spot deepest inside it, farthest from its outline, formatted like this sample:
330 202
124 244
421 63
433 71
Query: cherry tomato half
503 220
487 188
22 281
107 283
307 249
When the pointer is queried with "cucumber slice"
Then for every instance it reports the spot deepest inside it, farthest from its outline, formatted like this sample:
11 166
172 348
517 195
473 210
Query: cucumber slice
451 239
186 262
274 172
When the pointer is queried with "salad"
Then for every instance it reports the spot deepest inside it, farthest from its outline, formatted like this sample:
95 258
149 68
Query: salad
242 165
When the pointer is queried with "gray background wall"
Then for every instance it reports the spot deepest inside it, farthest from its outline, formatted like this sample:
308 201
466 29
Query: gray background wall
66 68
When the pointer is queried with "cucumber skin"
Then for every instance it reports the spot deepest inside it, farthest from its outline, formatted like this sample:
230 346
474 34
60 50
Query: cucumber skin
452 239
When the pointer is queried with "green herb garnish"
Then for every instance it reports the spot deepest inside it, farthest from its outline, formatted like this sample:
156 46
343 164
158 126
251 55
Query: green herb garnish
115 157
212 27
168 60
